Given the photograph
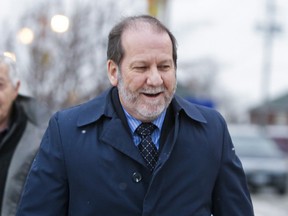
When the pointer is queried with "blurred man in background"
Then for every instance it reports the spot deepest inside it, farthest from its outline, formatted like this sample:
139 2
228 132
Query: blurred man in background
20 134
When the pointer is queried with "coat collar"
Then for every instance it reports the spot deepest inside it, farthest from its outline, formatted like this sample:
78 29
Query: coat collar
94 109
191 110
100 106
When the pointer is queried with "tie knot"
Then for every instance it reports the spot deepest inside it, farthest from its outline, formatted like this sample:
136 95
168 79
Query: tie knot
145 129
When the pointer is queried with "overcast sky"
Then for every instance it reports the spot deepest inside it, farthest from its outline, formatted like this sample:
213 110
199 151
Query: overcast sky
224 30
227 31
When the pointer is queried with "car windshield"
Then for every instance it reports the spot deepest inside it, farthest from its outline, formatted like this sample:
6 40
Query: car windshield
255 147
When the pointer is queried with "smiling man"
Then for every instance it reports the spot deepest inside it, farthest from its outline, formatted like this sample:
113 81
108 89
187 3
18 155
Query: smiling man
137 149
146 75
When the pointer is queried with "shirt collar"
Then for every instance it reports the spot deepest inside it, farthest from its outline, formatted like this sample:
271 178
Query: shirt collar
134 123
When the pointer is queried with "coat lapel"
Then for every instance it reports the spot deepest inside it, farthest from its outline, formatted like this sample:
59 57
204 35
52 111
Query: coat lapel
117 135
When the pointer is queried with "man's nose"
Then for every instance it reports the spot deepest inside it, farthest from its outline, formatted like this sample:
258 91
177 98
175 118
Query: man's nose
154 77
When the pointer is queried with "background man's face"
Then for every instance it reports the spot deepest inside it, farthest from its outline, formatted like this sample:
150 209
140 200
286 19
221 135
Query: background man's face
8 94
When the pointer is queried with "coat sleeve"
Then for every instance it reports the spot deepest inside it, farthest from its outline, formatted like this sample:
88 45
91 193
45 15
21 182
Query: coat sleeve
231 195
46 188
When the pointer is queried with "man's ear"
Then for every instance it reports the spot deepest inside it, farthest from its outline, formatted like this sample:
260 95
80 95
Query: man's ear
112 69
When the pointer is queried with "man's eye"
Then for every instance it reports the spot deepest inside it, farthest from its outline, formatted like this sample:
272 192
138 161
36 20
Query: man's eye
141 68
164 67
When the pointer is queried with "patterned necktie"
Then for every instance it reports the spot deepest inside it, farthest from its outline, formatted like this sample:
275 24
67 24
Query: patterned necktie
146 147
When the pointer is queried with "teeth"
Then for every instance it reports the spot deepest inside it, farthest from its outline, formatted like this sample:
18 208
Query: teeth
152 93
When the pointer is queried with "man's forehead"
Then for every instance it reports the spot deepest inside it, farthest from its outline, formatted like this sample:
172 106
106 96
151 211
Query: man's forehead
4 70
3 67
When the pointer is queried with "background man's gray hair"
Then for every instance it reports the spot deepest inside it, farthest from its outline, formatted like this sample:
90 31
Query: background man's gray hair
12 68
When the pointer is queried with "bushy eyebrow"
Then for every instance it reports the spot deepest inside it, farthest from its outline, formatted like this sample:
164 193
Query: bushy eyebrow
167 61
138 62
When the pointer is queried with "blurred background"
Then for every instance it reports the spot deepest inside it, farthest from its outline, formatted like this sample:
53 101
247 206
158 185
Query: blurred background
232 57
232 54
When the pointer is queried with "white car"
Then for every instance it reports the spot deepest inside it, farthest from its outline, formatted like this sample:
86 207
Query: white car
265 165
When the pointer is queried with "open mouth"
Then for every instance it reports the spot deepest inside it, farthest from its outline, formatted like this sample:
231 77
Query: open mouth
152 95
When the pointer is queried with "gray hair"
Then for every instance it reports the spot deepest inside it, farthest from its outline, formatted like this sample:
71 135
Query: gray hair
11 67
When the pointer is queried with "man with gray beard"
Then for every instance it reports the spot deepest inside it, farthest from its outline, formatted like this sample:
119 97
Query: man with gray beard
137 149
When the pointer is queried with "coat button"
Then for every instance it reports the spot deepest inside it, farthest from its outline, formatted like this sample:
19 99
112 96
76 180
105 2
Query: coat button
137 177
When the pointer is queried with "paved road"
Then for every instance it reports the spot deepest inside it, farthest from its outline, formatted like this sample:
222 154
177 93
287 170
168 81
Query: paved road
270 204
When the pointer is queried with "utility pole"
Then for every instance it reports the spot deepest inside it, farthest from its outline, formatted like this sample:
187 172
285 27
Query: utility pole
269 28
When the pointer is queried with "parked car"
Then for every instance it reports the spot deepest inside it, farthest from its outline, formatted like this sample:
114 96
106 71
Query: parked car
264 163
279 133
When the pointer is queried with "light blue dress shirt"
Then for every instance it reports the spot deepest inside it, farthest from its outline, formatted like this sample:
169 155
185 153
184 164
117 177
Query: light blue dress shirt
134 123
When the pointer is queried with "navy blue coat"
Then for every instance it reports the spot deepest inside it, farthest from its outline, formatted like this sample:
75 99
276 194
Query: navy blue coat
88 165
